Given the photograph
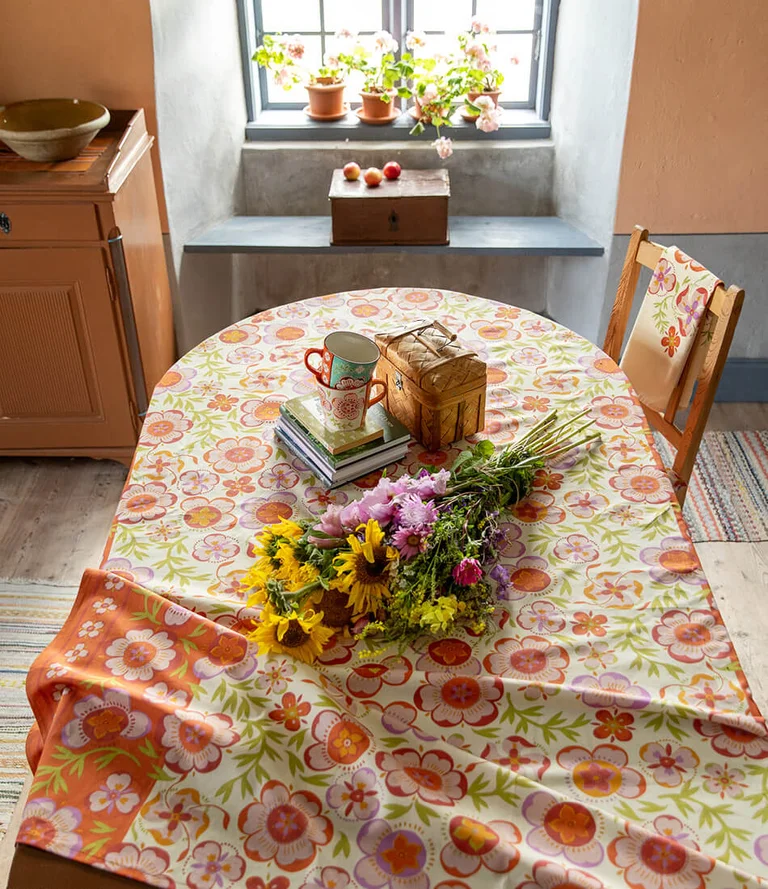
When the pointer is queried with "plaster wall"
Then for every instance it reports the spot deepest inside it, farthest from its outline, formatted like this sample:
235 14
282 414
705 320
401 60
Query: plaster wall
487 178
201 115
694 153
593 65
85 49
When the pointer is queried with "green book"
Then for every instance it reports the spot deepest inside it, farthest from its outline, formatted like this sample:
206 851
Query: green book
391 431
308 411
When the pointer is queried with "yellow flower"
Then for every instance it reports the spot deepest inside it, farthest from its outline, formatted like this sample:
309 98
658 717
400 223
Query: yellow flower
289 564
255 580
438 615
363 572
264 540
300 635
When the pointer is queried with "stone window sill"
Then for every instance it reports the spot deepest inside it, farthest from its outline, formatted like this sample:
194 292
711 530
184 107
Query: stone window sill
295 126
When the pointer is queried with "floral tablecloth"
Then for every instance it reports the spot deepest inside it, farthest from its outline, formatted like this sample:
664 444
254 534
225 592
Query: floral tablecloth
601 736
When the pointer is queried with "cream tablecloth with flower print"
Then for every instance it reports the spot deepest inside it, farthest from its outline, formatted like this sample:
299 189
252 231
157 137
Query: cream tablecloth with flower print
602 736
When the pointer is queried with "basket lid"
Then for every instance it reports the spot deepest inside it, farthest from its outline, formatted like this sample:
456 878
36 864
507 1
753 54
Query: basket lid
429 354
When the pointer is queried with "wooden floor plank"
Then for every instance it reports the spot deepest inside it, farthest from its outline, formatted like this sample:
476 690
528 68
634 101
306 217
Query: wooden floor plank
55 515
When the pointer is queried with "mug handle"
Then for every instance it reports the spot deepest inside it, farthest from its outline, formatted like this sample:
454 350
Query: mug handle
318 374
381 395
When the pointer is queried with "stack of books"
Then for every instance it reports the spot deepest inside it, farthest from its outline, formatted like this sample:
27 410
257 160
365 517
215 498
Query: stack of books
338 456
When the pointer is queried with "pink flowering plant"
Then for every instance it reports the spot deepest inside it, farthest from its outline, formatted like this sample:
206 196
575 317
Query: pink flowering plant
283 56
417 554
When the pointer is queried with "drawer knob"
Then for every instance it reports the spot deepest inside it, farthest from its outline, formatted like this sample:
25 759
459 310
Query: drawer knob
5 224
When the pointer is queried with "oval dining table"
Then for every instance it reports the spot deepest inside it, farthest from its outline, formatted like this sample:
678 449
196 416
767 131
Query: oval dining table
602 734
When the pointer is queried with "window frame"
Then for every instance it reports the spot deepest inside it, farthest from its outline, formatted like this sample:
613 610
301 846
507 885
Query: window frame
397 17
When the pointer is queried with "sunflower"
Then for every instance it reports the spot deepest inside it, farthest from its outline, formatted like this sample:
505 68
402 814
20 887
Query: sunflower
363 572
267 540
300 635
255 581
334 604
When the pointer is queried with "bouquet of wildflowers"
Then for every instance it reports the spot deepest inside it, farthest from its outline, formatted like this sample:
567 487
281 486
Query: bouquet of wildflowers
414 555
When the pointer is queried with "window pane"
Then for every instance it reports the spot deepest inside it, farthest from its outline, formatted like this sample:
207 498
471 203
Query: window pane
296 93
516 76
507 15
289 16
360 15
442 15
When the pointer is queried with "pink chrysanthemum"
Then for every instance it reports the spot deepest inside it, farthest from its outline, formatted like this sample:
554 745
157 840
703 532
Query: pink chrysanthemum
467 572
414 511
410 541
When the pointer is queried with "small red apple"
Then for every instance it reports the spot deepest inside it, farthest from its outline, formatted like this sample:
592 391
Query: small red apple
392 169
372 177
352 171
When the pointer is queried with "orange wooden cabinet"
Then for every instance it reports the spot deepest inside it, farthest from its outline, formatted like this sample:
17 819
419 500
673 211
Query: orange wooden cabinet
86 325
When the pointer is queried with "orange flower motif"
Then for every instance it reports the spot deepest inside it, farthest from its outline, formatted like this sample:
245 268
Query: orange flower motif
291 713
222 402
587 624
671 341
535 403
614 725
545 478
402 855
572 824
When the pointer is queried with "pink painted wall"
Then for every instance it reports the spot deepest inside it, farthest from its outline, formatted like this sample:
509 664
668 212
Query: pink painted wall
696 144
89 49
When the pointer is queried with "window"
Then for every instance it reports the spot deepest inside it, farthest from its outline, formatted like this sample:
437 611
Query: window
524 36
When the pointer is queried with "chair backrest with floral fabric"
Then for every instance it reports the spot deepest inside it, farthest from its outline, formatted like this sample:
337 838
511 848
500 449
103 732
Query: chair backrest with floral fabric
706 362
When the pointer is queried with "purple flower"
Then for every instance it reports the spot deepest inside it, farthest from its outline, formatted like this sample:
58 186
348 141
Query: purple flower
353 515
467 572
501 575
415 511
411 541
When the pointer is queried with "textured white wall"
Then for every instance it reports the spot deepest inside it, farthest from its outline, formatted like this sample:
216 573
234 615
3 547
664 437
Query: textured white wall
201 120
593 65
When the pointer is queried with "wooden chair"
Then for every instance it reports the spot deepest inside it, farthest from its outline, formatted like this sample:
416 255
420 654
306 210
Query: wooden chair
718 324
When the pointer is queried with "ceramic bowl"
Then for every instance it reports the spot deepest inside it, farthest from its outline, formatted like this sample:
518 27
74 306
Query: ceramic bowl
51 129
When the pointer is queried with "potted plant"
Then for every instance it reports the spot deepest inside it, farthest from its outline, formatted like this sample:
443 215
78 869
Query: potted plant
379 78
436 89
475 65
281 54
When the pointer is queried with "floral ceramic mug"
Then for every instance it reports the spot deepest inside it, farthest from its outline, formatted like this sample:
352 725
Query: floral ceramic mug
348 360
346 408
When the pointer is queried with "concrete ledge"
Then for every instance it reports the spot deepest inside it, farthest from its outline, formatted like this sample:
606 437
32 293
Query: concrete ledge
470 236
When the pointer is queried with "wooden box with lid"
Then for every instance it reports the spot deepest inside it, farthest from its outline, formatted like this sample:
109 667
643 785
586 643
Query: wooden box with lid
86 327
412 209
435 387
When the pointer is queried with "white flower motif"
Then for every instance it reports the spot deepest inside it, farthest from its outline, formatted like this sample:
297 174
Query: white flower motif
91 629
139 654
102 606
114 794
74 654
159 693
113 582
56 670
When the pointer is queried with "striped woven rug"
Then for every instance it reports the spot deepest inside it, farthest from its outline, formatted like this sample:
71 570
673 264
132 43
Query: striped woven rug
728 494
30 616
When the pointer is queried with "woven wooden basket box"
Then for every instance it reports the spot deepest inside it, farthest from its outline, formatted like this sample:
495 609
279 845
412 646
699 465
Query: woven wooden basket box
434 386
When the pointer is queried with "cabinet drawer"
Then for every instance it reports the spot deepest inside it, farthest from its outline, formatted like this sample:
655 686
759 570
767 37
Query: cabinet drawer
47 222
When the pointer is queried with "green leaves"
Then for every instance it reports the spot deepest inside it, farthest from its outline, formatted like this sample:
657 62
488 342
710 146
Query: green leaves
342 847
527 721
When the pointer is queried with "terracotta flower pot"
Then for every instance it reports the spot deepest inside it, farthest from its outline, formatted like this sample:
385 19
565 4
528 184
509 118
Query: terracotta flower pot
472 95
377 107
326 99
